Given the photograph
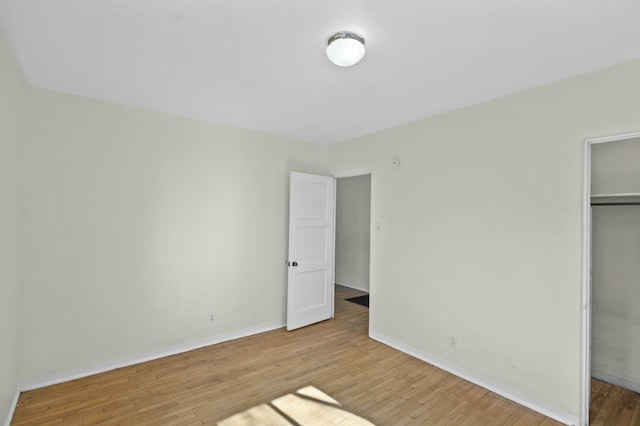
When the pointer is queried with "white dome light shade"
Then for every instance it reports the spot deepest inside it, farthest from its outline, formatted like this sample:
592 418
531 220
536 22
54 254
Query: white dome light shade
345 49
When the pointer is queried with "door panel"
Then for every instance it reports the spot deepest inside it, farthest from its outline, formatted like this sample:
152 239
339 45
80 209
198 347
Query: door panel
313 200
311 288
312 245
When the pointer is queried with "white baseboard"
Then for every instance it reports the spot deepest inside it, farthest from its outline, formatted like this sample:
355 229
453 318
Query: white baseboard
12 409
102 367
617 381
515 396
366 290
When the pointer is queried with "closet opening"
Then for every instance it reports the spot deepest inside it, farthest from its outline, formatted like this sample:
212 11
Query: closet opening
611 275
353 239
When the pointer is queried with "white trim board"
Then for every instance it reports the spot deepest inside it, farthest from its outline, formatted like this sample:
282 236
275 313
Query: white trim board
617 381
12 409
515 396
585 355
352 286
102 367
352 174
614 138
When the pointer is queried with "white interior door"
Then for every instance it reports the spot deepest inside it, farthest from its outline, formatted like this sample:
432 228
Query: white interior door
311 246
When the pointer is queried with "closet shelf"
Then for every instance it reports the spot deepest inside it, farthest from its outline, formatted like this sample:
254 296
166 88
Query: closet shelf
627 194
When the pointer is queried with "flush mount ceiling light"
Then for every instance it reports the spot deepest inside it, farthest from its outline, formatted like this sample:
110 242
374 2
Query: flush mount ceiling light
345 48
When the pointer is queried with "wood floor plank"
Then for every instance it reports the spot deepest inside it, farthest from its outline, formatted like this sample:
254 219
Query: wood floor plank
612 405
336 356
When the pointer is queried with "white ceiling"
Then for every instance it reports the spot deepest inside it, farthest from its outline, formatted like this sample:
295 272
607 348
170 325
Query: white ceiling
260 64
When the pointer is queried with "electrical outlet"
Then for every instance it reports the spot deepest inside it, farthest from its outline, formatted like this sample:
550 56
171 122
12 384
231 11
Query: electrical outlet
212 317
453 342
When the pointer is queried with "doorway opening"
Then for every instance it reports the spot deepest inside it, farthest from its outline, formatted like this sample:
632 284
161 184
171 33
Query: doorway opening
353 240
611 247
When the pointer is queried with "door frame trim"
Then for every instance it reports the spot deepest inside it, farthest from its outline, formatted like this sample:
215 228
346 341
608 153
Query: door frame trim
353 174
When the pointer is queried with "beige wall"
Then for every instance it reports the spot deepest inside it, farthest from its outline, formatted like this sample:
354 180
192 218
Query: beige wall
11 92
138 224
481 232
615 347
353 209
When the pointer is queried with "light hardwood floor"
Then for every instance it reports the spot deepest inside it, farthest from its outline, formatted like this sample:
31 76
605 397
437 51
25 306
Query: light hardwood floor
204 386
612 405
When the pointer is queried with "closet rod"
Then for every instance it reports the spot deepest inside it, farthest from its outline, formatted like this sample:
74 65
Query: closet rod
634 203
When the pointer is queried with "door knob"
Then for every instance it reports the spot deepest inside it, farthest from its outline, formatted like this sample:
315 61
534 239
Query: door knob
294 264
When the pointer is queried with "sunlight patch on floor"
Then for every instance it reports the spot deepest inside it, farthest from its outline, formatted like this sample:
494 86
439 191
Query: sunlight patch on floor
307 406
